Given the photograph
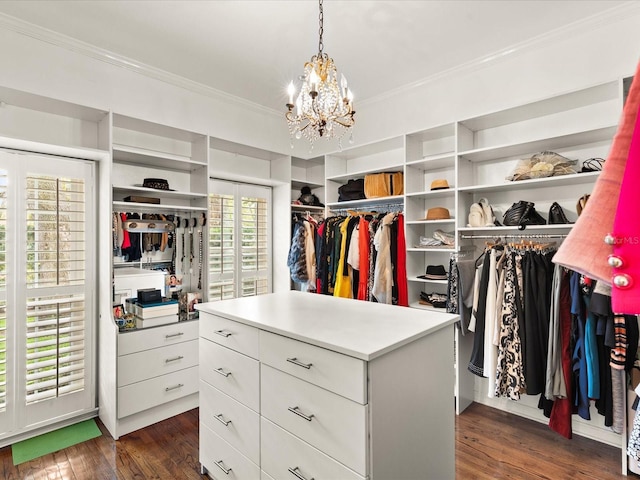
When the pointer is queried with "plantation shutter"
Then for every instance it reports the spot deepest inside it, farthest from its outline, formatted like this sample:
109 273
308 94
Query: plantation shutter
3 290
55 282
239 240
255 244
222 258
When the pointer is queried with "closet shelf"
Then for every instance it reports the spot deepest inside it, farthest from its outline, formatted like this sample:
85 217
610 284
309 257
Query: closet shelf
431 249
426 280
132 189
447 192
602 134
502 230
142 156
429 222
395 200
360 174
434 162
298 184
559 181
311 208
152 207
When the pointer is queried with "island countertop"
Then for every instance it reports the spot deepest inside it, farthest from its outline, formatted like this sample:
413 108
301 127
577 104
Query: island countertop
360 329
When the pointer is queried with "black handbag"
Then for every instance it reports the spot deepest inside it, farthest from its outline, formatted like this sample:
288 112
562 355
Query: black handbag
352 190
556 215
521 214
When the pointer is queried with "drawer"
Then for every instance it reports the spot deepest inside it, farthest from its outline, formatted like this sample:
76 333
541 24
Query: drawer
344 375
234 373
139 340
234 335
236 424
222 461
140 396
335 425
159 361
283 452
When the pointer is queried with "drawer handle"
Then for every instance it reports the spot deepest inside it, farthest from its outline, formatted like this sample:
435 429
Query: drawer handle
221 467
295 361
168 389
296 472
222 333
297 411
222 372
174 359
221 419
171 335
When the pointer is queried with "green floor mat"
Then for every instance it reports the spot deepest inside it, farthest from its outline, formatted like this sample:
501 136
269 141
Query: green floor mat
53 441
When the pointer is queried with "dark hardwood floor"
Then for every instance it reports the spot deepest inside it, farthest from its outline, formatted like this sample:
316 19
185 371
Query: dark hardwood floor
490 444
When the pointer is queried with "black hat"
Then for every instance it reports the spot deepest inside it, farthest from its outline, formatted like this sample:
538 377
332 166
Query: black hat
156 183
434 272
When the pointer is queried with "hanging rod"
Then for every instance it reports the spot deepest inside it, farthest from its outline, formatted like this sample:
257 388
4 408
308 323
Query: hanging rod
380 207
514 235
148 226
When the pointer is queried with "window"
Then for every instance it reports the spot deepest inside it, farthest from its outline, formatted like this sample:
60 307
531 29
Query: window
239 240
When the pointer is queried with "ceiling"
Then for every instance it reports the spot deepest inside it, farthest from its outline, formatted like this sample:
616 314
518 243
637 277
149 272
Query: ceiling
253 48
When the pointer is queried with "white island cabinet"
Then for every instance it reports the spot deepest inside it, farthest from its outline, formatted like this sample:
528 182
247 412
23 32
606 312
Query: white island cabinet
301 386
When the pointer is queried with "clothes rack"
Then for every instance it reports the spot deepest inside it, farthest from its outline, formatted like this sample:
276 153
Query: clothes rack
378 207
514 235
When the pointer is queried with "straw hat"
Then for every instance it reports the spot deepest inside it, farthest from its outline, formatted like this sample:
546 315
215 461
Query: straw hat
439 184
438 213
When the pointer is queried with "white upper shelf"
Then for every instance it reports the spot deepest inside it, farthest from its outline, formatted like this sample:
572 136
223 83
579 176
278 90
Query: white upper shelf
559 181
141 156
154 192
595 135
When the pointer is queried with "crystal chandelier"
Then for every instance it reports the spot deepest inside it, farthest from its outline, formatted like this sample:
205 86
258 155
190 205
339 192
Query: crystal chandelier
323 108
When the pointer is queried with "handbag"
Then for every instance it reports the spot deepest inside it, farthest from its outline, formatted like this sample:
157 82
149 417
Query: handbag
384 184
556 214
521 214
352 190
582 202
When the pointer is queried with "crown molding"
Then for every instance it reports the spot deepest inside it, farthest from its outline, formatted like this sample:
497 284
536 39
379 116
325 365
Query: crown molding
588 24
69 43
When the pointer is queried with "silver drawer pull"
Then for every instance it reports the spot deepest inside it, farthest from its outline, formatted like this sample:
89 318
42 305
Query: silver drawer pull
174 359
221 419
296 472
222 372
295 361
221 467
171 335
168 389
222 333
297 411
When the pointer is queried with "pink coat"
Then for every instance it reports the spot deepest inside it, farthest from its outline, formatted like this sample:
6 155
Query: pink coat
625 259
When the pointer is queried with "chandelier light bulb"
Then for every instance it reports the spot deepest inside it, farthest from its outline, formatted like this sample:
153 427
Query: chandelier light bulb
322 108
291 90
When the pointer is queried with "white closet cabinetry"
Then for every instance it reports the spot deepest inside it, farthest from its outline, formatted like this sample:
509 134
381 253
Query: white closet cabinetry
355 163
578 125
151 374
309 173
430 156
317 387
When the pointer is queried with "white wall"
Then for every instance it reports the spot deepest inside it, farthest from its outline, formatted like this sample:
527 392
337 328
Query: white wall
42 68
583 54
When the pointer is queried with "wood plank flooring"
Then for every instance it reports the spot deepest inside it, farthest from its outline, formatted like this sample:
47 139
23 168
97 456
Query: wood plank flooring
490 444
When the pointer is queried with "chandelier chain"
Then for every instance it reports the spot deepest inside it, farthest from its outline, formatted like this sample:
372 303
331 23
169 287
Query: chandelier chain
320 30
